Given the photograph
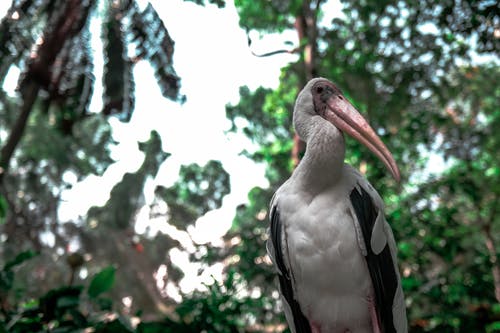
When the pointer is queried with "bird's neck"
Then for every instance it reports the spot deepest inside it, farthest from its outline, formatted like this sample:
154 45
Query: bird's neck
323 161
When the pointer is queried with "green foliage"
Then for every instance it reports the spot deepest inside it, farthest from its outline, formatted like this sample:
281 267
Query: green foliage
7 273
264 117
268 16
153 42
454 222
3 209
221 308
397 62
126 196
19 259
59 310
60 134
102 282
87 151
198 190
495 325
118 95
51 139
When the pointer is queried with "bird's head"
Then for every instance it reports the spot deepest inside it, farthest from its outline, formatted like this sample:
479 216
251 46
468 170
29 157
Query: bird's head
320 97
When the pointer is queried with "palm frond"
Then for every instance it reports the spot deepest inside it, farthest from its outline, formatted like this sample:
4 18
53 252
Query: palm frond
118 80
153 43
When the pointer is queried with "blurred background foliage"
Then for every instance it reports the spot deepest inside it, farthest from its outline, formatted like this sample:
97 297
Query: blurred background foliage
425 73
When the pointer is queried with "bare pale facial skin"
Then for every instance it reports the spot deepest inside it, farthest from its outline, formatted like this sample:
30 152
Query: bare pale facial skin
330 103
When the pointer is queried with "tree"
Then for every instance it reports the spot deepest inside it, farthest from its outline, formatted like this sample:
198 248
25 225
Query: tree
54 54
52 136
453 214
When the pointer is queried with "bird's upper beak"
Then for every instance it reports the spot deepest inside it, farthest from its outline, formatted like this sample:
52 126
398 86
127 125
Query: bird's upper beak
344 116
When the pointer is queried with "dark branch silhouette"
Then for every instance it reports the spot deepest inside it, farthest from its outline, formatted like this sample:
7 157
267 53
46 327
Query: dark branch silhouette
268 54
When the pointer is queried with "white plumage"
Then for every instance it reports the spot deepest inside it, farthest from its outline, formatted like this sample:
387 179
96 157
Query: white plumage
334 251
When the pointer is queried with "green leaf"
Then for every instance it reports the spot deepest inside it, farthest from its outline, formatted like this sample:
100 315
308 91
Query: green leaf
55 303
19 259
6 280
102 282
105 304
116 325
3 209
494 327
70 301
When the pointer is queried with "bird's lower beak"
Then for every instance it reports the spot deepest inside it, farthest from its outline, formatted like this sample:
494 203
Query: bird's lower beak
344 116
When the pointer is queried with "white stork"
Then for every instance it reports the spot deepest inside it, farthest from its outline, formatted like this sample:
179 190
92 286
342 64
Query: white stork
329 240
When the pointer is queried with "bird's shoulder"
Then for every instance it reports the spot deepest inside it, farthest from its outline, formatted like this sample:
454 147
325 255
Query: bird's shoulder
355 180
290 197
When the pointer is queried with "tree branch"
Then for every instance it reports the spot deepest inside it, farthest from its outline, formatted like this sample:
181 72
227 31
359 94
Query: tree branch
268 54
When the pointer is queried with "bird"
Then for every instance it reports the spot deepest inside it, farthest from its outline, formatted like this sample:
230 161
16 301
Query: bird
333 250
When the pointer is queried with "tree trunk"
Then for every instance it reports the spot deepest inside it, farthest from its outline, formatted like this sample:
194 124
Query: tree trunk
30 92
495 268
70 21
305 25
140 270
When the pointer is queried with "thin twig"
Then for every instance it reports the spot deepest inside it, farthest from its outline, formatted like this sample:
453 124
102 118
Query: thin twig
268 54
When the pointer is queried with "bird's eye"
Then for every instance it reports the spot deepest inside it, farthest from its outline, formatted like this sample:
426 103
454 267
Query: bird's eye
319 89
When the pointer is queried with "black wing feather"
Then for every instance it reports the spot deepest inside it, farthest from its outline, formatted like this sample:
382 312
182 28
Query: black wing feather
300 321
381 266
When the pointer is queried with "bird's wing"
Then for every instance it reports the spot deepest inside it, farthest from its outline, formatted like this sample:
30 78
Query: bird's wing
381 257
276 248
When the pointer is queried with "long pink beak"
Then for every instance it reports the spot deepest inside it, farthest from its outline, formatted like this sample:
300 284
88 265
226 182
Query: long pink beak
345 117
